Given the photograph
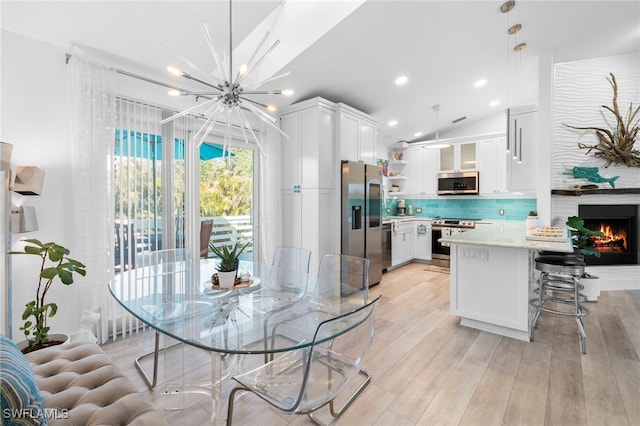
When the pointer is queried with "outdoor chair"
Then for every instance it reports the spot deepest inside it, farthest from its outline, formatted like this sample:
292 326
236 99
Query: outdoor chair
206 226
304 380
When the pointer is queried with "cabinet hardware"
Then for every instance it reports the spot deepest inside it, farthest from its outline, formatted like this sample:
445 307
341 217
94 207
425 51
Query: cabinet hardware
508 128
515 139
520 149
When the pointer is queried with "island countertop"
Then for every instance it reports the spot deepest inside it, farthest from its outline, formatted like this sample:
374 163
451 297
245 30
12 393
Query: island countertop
506 234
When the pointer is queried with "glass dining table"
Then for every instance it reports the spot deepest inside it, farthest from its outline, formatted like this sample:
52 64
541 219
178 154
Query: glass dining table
273 310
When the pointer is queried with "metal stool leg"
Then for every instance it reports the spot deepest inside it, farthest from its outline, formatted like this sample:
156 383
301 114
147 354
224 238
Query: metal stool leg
579 313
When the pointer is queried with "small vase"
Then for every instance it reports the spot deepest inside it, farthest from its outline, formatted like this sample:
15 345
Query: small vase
532 222
227 279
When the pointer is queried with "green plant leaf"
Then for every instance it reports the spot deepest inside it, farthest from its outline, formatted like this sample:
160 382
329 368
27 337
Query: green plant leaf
33 250
53 309
65 276
49 273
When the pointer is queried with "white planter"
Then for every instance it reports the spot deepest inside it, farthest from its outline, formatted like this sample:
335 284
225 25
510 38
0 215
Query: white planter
227 279
61 337
591 289
532 222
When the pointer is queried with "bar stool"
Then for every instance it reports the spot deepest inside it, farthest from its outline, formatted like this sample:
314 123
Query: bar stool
559 284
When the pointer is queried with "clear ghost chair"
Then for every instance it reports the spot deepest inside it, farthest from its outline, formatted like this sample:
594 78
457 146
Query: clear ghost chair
287 283
304 380
163 272
336 273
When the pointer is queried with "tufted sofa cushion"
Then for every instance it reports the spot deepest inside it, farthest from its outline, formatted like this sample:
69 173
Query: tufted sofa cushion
81 383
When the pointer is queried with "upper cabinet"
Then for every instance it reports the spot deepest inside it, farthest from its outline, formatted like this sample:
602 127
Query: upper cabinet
357 135
458 157
521 142
492 167
309 154
423 166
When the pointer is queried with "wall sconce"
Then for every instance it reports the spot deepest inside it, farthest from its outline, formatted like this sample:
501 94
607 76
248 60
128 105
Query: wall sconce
23 219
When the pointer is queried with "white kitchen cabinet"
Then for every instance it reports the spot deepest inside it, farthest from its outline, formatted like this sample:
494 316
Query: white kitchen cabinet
403 240
521 143
423 239
422 169
310 178
491 165
310 220
458 157
309 157
357 135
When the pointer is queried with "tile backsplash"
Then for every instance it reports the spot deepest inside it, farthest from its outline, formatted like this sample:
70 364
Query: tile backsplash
471 208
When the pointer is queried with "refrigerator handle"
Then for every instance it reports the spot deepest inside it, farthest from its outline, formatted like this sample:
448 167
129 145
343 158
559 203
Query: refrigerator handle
356 217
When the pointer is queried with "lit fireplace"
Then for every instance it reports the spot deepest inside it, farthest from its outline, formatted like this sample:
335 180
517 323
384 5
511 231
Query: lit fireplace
613 241
619 224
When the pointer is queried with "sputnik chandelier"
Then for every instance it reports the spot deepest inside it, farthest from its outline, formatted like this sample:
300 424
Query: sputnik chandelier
228 95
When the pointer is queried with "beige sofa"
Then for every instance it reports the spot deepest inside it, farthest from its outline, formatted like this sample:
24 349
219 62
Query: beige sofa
81 384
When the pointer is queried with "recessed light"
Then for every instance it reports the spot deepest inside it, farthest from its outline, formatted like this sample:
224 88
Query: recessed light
494 103
417 134
480 83
401 80
393 123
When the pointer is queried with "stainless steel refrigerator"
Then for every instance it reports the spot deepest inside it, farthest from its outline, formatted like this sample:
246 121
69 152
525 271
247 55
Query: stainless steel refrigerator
361 214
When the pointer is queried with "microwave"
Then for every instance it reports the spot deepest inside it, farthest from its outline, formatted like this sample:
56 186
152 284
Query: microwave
464 183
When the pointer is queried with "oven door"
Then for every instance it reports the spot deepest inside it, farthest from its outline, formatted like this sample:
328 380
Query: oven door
438 251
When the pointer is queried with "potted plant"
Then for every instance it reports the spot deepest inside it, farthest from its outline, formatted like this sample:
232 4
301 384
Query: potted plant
581 239
55 264
532 219
228 263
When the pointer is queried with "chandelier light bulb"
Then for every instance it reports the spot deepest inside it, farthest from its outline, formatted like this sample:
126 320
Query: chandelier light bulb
175 71
174 92
243 69
288 92
271 108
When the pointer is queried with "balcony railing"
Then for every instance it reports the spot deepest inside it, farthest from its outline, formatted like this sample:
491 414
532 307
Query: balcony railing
147 236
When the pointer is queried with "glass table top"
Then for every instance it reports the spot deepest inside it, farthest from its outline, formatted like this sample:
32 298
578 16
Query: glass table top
246 320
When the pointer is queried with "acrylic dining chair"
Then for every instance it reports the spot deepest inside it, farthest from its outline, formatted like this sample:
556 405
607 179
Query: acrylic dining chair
168 271
302 381
287 282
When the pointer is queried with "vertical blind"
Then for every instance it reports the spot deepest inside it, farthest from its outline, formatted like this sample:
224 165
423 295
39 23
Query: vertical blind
150 182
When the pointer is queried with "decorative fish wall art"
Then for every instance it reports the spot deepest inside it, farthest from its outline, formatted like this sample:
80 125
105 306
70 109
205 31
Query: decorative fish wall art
592 174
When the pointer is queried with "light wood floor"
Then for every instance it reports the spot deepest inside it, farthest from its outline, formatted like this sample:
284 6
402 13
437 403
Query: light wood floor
429 370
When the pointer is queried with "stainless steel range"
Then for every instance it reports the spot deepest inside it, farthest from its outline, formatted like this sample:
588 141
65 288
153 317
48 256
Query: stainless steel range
444 227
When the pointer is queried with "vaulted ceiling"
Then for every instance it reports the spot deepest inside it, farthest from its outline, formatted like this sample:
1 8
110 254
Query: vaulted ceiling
353 51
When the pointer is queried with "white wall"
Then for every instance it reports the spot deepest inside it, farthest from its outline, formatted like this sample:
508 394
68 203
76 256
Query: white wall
35 120
580 88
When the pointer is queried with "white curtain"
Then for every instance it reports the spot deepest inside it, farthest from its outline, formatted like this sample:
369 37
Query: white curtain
269 223
92 112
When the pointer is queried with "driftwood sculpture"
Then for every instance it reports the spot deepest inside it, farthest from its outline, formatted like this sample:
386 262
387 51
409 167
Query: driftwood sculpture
616 146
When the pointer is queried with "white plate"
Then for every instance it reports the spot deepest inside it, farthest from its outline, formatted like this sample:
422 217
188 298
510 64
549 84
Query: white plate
208 289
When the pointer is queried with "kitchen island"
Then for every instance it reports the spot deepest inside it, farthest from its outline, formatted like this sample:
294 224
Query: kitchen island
492 274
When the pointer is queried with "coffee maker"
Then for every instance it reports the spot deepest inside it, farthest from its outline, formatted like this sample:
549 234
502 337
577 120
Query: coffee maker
401 210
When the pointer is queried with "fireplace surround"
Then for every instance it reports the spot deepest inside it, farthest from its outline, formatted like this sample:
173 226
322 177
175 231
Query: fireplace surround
619 223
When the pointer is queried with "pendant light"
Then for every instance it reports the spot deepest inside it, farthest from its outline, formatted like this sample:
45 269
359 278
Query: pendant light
437 144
